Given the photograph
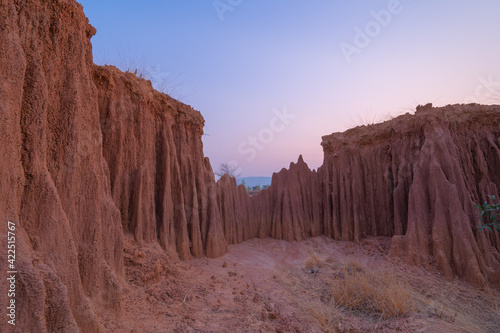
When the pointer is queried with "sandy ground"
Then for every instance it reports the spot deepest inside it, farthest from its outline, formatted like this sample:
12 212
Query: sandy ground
266 285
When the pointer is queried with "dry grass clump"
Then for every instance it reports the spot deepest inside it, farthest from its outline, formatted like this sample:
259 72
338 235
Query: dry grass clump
341 296
379 293
324 314
473 310
311 295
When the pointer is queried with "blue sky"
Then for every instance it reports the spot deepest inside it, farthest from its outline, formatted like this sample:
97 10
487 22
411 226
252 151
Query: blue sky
272 77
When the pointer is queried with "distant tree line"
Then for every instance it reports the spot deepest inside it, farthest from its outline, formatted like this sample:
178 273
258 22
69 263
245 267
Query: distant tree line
256 188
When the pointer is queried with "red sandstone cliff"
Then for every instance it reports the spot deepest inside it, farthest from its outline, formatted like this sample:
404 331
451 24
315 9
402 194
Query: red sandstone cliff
417 177
54 180
290 209
160 179
90 153
414 178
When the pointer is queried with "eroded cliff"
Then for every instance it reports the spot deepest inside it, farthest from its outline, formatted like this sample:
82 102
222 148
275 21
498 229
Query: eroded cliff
91 153
290 209
417 178
160 179
54 187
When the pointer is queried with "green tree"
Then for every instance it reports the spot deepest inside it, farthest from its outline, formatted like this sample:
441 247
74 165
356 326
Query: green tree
490 215
256 188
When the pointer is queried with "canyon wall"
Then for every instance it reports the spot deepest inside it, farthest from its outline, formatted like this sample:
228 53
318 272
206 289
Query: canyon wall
91 153
160 180
54 179
290 209
416 178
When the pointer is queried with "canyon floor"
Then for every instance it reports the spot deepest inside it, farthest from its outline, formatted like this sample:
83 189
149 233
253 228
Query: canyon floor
266 285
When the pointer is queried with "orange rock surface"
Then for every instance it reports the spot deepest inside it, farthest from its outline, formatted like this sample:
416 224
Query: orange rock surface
91 155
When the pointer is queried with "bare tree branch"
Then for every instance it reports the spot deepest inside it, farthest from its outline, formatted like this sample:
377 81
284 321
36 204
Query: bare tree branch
226 168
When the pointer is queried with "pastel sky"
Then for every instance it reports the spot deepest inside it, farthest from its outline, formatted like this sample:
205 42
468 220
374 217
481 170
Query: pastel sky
272 76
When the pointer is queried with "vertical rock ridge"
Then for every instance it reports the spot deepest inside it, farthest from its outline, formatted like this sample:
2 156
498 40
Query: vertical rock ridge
429 169
69 238
162 164
90 153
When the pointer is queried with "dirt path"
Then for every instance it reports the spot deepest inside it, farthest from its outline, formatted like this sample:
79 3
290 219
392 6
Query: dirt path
266 285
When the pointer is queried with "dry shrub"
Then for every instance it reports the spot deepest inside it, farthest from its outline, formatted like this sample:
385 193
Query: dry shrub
324 314
311 296
358 289
312 262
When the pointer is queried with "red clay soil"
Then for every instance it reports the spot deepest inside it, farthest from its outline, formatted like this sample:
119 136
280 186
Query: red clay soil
266 285
92 156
